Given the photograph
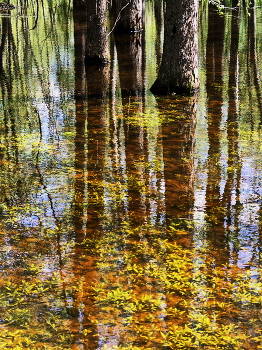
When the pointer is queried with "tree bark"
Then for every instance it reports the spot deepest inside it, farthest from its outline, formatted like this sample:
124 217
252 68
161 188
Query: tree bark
97 49
178 71
128 15
130 53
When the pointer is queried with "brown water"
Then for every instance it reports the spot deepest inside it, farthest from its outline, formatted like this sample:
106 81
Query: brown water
129 221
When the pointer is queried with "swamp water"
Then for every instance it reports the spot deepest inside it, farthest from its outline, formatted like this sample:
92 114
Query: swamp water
129 221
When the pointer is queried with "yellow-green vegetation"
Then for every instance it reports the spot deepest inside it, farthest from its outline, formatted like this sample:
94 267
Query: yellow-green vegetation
165 295
148 293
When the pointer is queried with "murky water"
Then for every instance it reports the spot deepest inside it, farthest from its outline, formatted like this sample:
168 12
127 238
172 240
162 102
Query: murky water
129 221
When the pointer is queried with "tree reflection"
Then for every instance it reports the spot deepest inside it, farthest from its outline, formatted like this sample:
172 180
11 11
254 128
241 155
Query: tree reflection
32 200
178 150
90 128
214 209
130 55
226 62
80 27
231 196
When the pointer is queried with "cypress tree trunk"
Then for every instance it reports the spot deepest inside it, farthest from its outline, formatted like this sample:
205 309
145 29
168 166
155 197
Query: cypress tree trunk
128 15
130 53
97 50
178 72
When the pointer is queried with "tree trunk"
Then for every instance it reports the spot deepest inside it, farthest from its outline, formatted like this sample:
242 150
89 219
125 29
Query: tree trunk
97 50
130 53
178 71
128 15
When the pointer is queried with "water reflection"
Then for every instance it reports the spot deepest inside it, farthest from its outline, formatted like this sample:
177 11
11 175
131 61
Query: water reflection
226 182
129 221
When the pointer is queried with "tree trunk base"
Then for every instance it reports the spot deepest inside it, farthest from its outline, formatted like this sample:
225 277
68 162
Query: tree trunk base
162 89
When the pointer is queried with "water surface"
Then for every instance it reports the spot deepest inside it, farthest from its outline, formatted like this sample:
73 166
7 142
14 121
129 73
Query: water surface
129 221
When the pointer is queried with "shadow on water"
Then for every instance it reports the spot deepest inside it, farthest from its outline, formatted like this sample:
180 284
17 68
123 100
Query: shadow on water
129 221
